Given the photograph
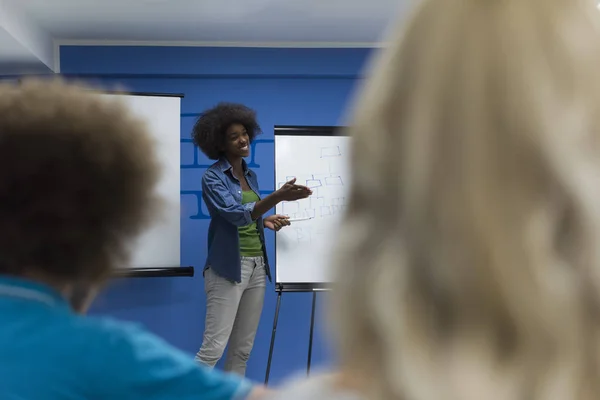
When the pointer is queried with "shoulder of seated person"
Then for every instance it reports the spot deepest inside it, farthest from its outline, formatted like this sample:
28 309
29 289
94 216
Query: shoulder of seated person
107 331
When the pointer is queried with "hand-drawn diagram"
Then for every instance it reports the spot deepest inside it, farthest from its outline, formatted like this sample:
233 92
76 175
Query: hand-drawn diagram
333 179
328 201
313 183
331 151
303 235
290 208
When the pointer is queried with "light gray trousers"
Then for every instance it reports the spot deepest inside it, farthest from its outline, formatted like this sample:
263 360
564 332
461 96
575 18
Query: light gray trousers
232 315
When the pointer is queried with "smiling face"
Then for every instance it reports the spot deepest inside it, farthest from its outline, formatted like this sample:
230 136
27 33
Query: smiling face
237 142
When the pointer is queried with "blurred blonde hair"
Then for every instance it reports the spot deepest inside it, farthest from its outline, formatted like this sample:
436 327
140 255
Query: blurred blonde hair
470 255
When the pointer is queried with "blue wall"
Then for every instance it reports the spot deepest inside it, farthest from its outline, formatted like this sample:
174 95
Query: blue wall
286 87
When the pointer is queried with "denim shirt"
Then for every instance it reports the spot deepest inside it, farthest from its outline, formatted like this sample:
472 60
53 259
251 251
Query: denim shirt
222 193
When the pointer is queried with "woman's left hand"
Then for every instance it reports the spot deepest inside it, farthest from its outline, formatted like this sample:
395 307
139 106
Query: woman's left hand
276 222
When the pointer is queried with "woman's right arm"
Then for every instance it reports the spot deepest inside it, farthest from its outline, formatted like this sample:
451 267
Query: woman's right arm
219 199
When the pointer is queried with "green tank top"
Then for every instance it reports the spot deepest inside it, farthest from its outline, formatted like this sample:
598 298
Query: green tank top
250 244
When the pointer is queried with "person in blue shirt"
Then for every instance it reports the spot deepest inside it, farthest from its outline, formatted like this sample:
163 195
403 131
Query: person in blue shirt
77 186
236 266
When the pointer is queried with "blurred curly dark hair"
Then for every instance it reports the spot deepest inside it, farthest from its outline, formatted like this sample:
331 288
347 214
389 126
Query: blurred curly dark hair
209 130
77 182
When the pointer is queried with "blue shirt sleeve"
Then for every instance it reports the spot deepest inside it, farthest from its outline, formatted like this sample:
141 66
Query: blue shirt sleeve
141 366
219 199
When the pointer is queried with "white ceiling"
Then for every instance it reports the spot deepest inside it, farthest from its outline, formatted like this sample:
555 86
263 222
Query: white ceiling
215 20
242 22
12 50
15 59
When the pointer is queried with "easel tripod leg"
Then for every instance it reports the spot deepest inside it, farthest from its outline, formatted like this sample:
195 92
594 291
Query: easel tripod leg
312 328
273 337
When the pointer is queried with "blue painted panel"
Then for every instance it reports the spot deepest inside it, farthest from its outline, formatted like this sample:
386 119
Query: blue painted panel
283 92
213 61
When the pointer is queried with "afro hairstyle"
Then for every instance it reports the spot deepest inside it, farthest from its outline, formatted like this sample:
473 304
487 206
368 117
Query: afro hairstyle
77 184
209 132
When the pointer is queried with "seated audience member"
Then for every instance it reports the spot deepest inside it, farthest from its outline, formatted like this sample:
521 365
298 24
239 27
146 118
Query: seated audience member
76 187
469 259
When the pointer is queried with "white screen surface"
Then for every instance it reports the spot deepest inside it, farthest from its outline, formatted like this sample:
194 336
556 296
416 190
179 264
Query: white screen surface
304 250
159 246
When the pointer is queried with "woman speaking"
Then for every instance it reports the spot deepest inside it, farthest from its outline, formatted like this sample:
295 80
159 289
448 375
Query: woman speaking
236 267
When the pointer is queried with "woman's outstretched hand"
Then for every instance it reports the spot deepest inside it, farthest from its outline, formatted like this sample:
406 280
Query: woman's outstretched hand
291 192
